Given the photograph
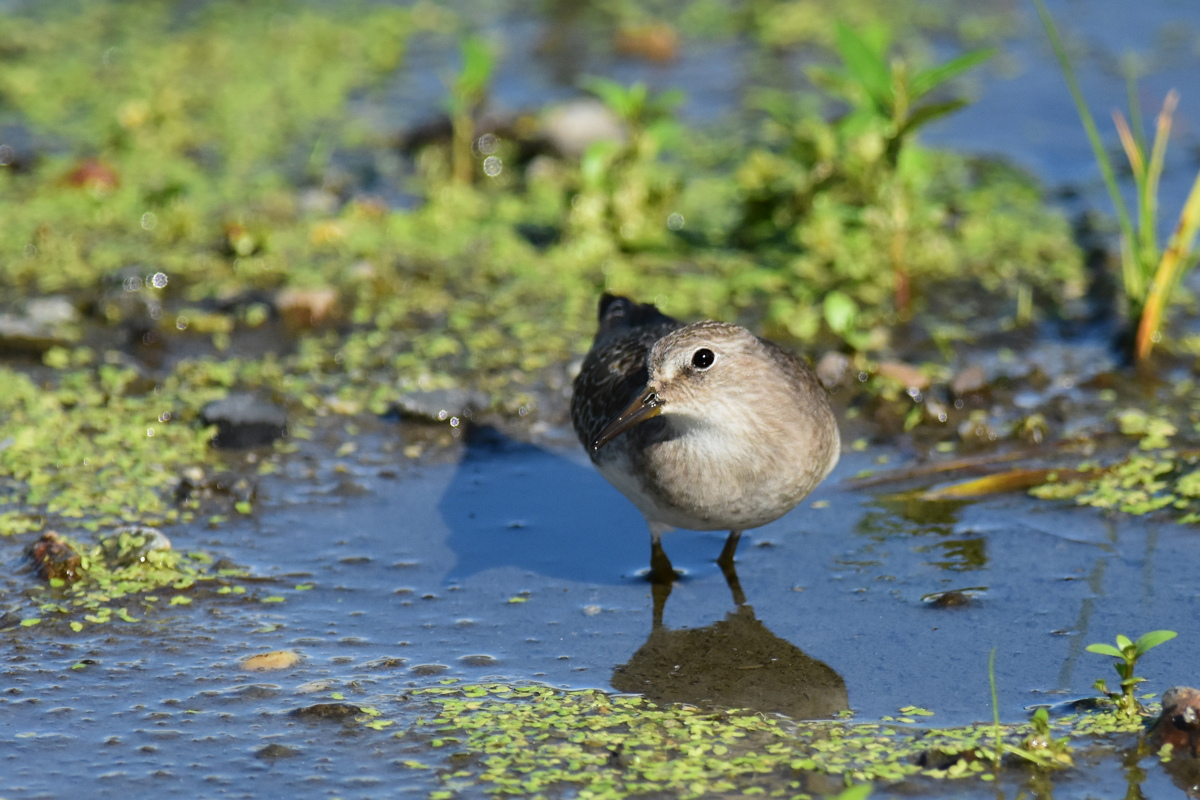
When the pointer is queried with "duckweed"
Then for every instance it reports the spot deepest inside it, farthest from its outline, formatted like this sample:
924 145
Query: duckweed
117 572
535 740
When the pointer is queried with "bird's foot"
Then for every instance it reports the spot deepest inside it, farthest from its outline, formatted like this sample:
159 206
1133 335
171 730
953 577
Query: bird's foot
661 570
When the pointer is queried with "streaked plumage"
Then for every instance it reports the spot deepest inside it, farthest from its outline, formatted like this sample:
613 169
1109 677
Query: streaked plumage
703 426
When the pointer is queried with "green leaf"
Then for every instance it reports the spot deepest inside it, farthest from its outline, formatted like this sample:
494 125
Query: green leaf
614 95
927 80
928 113
1152 639
866 66
1105 650
476 66
1123 642
840 311
859 791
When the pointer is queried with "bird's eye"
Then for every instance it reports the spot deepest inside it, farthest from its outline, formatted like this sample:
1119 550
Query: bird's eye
703 358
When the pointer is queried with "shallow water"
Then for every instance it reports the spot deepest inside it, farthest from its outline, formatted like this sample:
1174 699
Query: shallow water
413 573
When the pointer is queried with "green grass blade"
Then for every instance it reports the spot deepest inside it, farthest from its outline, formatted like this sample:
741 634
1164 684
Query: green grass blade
1177 259
1180 247
927 80
1135 103
867 67
1149 222
476 67
1147 201
928 113
995 707
1135 286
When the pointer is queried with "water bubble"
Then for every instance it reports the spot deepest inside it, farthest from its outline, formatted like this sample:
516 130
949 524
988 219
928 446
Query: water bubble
149 221
492 166
7 154
30 250
149 431
158 280
181 323
133 284
165 416
488 143
675 221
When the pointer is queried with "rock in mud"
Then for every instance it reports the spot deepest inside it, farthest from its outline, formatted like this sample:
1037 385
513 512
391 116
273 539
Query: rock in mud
195 484
319 711
833 369
1179 723
906 374
53 558
244 420
970 380
131 545
276 750
571 128
307 308
45 322
439 405
954 598
274 660
17 150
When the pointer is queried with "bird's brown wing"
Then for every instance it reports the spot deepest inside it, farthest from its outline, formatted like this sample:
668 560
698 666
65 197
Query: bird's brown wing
615 369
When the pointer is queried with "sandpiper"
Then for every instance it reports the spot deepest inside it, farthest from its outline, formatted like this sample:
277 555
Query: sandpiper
703 426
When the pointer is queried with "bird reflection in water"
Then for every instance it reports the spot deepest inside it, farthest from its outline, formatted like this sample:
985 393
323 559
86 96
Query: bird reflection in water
733 663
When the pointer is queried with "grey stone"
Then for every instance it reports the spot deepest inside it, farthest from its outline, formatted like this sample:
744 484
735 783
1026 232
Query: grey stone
439 405
574 126
244 420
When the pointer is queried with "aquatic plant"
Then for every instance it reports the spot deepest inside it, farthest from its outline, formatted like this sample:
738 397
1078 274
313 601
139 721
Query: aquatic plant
1150 275
1039 747
886 91
624 189
854 216
1128 652
467 91
538 740
887 96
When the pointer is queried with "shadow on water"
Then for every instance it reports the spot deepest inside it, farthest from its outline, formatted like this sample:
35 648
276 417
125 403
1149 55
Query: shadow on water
515 504
734 663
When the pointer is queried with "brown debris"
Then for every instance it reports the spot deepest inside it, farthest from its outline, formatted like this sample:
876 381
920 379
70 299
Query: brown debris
970 380
307 308
52 557
1179 723
93 174
656 42
906 374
